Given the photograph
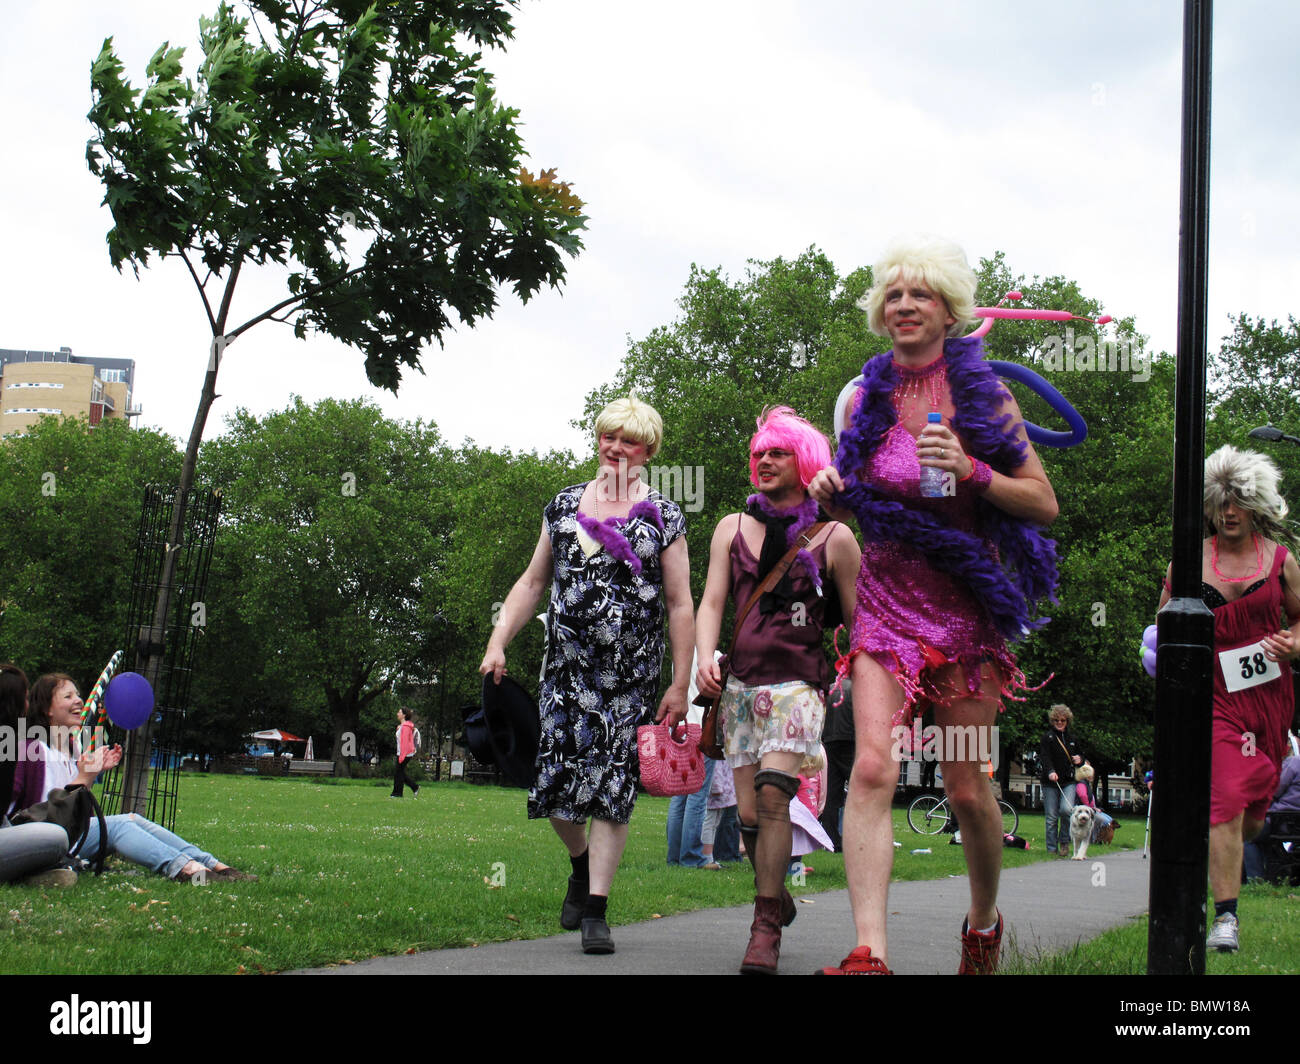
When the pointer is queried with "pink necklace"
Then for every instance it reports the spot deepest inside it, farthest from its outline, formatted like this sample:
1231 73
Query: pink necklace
914 386
1259 559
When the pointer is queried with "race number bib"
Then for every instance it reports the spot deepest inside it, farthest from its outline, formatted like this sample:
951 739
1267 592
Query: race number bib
1247 667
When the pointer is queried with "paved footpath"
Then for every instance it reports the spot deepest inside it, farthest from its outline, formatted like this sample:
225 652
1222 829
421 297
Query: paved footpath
1047 906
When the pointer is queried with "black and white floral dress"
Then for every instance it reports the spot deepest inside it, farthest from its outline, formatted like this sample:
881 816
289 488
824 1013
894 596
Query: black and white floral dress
605 640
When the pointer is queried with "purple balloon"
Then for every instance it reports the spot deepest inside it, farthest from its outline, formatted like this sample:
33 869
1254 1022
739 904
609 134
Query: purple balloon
1149 637
128 700
1149 660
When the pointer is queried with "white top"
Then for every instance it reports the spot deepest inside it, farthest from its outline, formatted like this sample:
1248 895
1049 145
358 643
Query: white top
60 769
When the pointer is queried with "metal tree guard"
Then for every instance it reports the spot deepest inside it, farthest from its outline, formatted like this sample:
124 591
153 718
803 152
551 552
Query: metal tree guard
159 739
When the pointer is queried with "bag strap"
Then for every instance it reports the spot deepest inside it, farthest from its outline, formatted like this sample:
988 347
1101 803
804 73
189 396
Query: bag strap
84 796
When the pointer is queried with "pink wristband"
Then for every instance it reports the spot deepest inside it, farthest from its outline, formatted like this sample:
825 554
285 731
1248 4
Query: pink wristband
980 475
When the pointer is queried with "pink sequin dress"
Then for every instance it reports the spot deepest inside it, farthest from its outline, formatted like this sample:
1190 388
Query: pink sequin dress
910 616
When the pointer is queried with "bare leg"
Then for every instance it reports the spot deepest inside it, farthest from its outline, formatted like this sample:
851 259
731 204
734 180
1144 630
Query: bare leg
868 828
969 791
1226 851
607 841
573 835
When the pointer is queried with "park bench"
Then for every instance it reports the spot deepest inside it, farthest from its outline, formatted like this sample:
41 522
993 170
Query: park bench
311 768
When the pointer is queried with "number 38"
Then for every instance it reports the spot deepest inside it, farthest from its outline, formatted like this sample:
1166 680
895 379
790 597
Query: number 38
1253 665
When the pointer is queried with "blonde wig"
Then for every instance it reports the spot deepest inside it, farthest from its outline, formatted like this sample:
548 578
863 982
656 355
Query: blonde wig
939 263
639 420
1251 482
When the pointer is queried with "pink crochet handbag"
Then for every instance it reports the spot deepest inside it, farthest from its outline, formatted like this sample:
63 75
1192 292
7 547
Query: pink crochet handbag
670 765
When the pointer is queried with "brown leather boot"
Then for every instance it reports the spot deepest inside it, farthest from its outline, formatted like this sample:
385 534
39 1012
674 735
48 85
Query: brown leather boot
764 938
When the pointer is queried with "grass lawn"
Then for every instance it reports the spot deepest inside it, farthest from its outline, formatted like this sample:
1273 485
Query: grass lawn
1270 943
346 873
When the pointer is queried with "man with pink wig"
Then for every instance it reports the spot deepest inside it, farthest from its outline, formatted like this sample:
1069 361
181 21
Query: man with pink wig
774 702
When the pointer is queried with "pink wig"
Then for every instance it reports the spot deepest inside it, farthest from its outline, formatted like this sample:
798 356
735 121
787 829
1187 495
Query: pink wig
782 427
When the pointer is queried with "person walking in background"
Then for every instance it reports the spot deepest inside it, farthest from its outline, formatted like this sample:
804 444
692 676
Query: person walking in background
1059 754
405 751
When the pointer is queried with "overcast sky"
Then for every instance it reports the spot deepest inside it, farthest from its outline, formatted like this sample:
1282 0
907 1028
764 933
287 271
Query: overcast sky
710 132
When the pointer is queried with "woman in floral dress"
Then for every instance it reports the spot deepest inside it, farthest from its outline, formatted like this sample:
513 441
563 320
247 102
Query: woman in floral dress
608 548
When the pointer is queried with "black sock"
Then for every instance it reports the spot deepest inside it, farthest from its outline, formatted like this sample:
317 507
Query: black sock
1221 907
595 907
579 863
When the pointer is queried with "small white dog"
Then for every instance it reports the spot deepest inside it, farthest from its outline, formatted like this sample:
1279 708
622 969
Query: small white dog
1080 831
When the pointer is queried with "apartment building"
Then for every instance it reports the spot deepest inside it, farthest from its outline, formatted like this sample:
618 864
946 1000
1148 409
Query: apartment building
34 384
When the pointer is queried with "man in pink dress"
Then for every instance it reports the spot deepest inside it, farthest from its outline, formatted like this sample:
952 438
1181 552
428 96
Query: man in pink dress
935 606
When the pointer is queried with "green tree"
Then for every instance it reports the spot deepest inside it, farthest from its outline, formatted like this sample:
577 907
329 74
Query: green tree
308 119
496 499
335 523
69 512
787 332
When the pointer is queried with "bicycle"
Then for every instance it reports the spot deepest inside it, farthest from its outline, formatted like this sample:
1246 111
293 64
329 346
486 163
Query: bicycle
929 815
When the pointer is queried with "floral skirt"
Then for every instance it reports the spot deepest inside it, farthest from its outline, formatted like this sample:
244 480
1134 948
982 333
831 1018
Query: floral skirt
785 717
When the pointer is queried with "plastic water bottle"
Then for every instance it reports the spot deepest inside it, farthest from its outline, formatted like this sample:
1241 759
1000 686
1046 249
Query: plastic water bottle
933 479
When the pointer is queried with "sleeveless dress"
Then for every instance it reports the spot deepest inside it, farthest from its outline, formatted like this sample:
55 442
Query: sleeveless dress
604 647
1248 733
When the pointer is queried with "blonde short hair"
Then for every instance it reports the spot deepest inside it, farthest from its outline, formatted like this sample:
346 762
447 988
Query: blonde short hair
1060 710
639 420
938 263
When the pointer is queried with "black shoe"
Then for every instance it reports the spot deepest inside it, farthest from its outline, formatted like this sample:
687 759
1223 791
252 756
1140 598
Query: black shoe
575 902
595 936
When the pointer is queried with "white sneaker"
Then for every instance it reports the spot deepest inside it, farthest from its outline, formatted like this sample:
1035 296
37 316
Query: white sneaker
1223 934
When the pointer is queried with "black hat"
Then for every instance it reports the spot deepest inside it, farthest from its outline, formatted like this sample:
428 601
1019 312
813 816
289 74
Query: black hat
514 728
476 735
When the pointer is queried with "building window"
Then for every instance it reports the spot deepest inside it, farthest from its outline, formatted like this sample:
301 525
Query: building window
113 376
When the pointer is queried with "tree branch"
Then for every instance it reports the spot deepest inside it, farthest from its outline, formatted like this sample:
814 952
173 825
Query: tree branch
207 307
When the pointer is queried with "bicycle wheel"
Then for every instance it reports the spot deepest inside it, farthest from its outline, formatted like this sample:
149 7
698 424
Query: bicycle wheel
1010 818
927 815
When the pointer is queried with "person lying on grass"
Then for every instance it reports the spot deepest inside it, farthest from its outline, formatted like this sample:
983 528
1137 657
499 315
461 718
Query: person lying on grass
56 706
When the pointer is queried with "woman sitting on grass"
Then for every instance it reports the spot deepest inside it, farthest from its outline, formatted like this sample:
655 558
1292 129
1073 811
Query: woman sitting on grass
33 854
56 706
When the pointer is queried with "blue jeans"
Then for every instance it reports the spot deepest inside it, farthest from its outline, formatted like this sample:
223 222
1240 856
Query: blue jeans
726 843
145 843
1058 802
685 819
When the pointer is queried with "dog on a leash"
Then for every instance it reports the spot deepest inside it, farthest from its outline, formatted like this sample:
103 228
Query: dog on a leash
1080 831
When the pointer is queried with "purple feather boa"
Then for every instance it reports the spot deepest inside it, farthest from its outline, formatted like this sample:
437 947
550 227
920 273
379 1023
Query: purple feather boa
805 516
609 532
1009 590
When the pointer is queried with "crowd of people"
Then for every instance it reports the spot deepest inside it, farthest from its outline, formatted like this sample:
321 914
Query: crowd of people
942 582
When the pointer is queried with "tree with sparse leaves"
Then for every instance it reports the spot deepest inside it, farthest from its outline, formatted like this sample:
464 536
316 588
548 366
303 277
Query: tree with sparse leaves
306 122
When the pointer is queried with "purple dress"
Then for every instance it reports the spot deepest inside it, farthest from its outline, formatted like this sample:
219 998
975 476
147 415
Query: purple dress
912 617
